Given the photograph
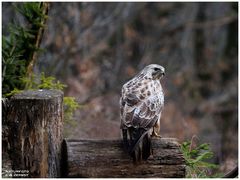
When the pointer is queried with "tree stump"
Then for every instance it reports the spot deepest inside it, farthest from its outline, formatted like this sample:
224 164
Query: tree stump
106 158
35 124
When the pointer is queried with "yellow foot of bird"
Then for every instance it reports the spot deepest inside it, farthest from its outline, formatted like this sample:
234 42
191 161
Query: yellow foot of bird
155 135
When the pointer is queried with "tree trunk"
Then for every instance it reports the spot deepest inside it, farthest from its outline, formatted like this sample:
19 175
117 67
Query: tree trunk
106 158
35 124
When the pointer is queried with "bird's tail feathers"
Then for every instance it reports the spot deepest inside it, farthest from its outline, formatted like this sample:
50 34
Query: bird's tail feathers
125 139
140 144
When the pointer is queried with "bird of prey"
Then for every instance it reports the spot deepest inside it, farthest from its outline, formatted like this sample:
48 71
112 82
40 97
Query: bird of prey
141 104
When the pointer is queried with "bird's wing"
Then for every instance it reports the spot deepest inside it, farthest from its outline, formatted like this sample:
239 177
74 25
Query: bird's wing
140 110
128 103
147 113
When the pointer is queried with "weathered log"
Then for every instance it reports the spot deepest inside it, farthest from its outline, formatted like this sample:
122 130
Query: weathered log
35 123
106 158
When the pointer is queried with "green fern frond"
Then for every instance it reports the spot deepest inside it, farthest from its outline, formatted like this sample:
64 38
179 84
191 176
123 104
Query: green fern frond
197 159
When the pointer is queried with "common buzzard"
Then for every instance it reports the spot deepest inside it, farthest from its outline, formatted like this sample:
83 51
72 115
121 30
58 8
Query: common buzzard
141 104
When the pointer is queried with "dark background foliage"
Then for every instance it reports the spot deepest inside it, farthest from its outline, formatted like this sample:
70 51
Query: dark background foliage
95 48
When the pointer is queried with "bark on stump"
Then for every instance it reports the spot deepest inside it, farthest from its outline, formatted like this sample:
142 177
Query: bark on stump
106 158
35 123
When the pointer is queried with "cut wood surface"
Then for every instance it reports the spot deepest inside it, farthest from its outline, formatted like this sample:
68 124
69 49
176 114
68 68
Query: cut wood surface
106 158
34 120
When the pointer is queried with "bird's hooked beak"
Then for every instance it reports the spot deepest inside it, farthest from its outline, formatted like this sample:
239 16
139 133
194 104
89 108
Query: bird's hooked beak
159 74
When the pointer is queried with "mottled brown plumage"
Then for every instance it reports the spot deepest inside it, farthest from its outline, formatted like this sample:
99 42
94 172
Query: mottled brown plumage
141 104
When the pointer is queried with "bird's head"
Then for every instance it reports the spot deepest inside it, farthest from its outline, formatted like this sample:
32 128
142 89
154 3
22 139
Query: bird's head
154 70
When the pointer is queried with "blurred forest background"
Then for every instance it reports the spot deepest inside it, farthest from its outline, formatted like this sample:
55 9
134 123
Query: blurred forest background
94 48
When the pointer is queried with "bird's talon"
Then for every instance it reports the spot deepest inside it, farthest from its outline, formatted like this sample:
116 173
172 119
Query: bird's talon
156 135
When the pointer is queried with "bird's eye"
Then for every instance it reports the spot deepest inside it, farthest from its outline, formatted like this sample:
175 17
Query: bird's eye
156 69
